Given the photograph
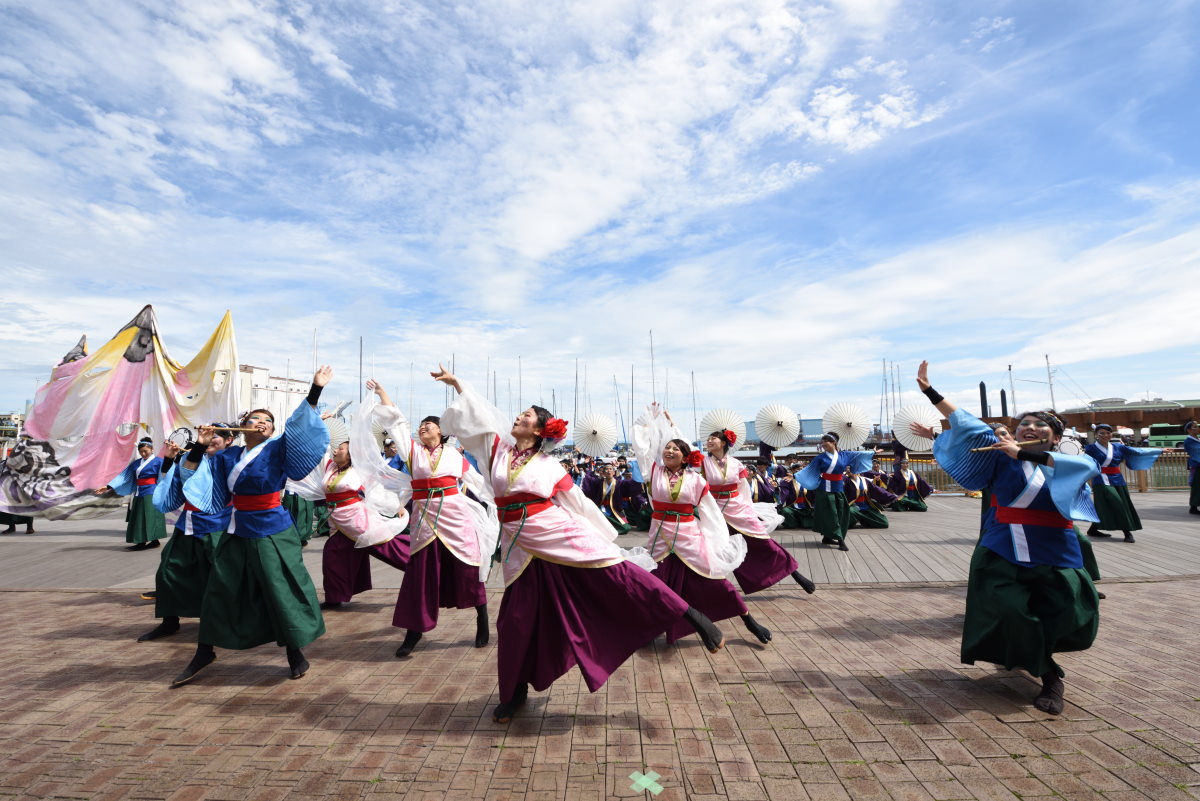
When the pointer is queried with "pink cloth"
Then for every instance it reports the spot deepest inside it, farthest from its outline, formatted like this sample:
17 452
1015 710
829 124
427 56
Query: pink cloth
738 511
444 517
670 535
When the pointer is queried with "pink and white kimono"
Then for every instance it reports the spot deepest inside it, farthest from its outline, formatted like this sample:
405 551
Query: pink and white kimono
689 540
767 562
451 536
571 596
345 567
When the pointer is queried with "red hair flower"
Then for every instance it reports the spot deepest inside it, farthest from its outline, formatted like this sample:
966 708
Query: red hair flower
555 428
731 437
695 458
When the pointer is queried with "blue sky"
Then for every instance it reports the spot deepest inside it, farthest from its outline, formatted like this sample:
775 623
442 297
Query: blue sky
786 193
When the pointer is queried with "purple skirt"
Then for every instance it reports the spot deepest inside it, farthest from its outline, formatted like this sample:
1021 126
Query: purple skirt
716 598
346 570
556 616
436 578
767 563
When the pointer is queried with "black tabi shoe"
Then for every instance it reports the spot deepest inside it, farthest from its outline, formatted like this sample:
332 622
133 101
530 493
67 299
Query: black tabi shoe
1129 537
504 712
757 629
410 642
842 546
141 546
1100 595
1095 532
168 627
805 582
327 605
710 635
482 635
201 660
1050 699
297 664
828 540
9 530
1194 511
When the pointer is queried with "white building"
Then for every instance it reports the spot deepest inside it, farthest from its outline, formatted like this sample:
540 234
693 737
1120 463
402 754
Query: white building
258 389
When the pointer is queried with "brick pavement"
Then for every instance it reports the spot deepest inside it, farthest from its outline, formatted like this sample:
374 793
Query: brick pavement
859 696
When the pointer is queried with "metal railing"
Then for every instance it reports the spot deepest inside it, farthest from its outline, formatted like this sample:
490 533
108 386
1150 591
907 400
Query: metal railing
1168 473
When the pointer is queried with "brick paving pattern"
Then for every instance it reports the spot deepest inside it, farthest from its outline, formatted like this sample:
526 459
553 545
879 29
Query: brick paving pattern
860 696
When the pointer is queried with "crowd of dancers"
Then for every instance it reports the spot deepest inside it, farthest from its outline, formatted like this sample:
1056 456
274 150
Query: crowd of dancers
572 596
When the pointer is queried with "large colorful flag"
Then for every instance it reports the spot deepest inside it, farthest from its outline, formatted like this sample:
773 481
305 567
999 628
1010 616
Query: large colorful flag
85 422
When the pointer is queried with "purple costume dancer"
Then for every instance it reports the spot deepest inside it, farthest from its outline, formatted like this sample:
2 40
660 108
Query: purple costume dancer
571 597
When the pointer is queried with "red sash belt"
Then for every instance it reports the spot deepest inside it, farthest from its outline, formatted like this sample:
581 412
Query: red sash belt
147 482
425 487
831 476
256 503
724 491
682 512
344 498
1029 517
1111 471
187 507
522 504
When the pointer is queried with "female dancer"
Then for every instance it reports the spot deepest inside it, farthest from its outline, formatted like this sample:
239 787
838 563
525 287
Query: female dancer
451 538
186 559
570 596
866 499
357 530
824 476
766 563
259 589
1028 594
144 525
1113 504
909 488
689 539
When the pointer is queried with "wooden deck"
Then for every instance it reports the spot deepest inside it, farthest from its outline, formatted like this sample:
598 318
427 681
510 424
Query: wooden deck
933 547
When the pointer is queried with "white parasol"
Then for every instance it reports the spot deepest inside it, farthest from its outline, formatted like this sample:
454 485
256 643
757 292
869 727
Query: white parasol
721 419
925 414
849 422
339 432
777 425
595 435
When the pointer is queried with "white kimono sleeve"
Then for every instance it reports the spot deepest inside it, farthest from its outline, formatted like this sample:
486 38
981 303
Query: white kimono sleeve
386 490
484 518
727 552
651 437
581 507
476 423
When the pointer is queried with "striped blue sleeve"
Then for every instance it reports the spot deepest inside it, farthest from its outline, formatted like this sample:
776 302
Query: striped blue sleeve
810 476
1141 458
952 450
205 487
168 493
860 461
305 440
126 483
1068 486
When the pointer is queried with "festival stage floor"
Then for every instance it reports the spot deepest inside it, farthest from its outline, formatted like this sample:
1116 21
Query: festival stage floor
859 696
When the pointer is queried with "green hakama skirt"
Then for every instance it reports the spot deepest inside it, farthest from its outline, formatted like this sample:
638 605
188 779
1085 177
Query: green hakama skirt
1115 509
259 591
144 523
1020 617
301 509
831 514
907 504
182 575
868 518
